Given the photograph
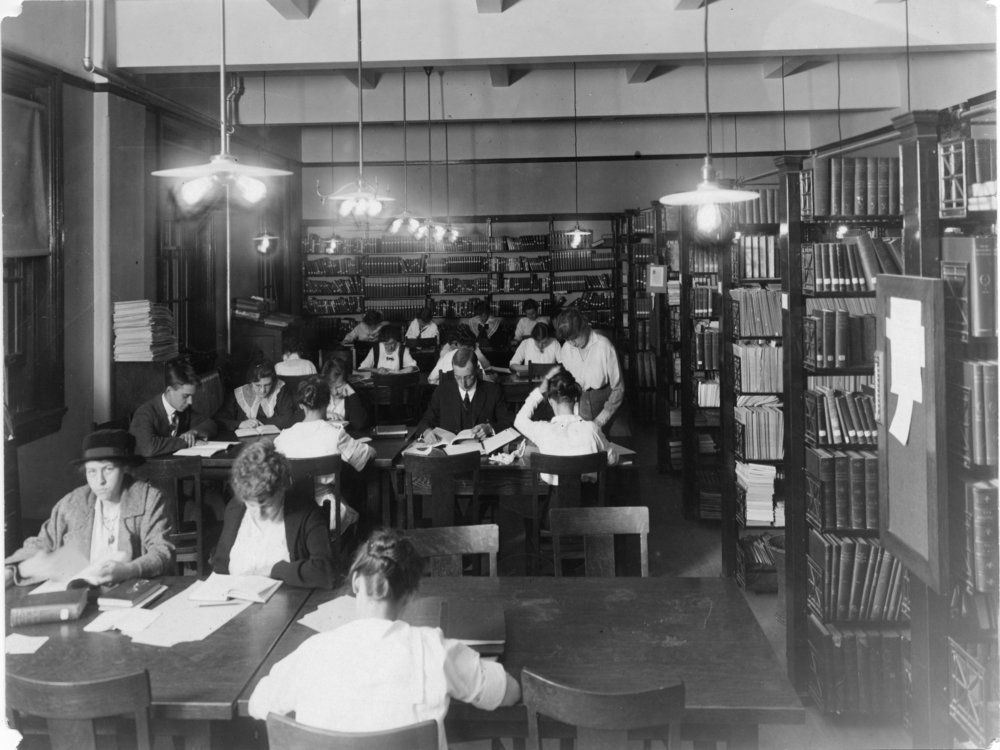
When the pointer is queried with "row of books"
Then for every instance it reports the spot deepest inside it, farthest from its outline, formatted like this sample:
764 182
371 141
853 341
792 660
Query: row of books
332 286
853 578
758 367
836 338
839 418
756 313
340 305
674 323
709 482
757 482
643 306
395 264
398 310
766 209
583 282
388 286
525 284
477 263
706 346
858 670
760 432
581 260
463 308
331 266
673 292
643 338
703 259
982 554
704 301
520 263
856 186
143 331
706 392
595 301
848 266
979 417
462 285
754 257
842 489
969 271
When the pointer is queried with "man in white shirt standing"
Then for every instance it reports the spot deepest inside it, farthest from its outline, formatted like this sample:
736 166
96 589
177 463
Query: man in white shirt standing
591 358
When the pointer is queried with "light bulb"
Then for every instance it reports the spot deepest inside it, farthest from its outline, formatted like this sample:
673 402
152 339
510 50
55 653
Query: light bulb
438 232
841 231
374 207
453 234
250 189
193 192
346 207
264 244
576 237
361 207
708 219
412 225
421 232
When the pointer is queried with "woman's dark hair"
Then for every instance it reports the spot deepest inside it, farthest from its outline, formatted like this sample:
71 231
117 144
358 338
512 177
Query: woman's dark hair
463 336
570 324
336 365
388 565
425 315
372 317
540 332
259 472
529 304
389 332
481 307
291 344
314 393
261 369
563 388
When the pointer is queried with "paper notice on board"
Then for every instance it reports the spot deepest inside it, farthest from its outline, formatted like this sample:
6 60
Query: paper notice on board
905 332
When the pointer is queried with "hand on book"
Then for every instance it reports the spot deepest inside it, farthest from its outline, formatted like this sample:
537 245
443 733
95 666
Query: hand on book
250 424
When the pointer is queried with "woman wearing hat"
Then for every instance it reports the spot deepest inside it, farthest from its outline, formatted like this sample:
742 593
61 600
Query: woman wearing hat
116 522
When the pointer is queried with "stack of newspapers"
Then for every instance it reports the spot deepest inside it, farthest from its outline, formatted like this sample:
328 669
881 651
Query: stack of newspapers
144 332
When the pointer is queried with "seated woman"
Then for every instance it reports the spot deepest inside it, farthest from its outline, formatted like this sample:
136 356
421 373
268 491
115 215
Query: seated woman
541 348
115 522
423 326
314 436
566 434
485 326
367 329
263 400
457 337
345 404
526 324
292 365
264 533
377 672
389 355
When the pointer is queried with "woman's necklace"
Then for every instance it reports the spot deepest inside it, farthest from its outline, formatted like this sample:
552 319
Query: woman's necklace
110 523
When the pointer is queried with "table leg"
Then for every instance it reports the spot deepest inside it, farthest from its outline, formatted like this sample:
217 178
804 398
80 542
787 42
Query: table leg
743 737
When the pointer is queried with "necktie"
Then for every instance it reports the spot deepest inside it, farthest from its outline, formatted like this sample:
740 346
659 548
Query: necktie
467 402
175 421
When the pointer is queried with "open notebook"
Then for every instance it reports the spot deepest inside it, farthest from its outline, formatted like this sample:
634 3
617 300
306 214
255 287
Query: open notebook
219 588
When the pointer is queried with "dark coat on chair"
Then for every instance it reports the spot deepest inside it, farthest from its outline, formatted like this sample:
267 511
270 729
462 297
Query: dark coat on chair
151 428
447 411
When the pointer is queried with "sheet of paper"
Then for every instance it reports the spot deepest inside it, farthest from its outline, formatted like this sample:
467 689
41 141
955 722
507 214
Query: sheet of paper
18 643
331 615
206 449
905 332
129 621
181 620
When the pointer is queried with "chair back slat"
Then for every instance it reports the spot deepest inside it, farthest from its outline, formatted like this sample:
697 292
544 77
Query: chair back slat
602 719
434 477
70 708
284 733
168 474
444 546
598 527
570 471
310 468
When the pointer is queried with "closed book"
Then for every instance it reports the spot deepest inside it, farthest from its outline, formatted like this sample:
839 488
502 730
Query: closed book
857 427
835 428
854 278
836 178
841 277
882 186
865 248
881 593
991 427
864 671
841 339
845 577
972 372
860 186
874 556
833 579
847 186
886 259
984 535
871 194
862 550
829 318
134 593
869 335
55 606
982 289
848 428
841 482
892 601
895 206
871 491
856 482
821 187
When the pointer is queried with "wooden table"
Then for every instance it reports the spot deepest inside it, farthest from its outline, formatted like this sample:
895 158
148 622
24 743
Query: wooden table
193 682
619 634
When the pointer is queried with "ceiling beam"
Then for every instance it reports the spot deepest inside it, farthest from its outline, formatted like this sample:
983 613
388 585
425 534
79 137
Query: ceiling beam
490 6
689 4
646 71
784 67
293 10
369 78
500 76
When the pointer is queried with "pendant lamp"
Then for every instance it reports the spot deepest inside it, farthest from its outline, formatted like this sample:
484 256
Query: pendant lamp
576 235
404 219
428 227
358 198
206 182
709 194
450 232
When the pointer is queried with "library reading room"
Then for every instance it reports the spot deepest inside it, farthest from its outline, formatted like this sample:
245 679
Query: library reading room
622 372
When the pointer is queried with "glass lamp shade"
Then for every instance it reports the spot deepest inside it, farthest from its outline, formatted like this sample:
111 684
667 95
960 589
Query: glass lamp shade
266 243
358 199
708 191
577 236
712 223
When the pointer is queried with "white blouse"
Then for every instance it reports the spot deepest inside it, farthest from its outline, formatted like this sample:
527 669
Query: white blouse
259 544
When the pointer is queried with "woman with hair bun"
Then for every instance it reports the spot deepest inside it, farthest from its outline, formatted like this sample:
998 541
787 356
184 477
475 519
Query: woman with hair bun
567 433
263 400
377 672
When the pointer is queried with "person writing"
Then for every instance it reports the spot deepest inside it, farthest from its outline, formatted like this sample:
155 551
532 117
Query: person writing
567 433
263 400
117 523
591 359
389 356
345 404
376 672
423 326
464 401
292 365
168 422
264 533
526 324
540 348
484 325
366 330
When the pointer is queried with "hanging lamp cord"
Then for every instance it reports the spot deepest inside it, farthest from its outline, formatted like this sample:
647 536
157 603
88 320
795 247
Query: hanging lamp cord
906 10
430 172
576 157
447 180
708 122
784 131
361 111
406 160
223 119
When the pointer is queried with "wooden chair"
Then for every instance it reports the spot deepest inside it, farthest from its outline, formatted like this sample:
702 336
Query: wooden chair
537 370
284 733
304 472
444 546
598 527
292 382
570 470
436 477
169 474
602 720
396 394
72 708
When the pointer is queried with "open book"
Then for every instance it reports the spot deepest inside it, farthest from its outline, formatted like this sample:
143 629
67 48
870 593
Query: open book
464 442
206 449
264 429
67 568
219 588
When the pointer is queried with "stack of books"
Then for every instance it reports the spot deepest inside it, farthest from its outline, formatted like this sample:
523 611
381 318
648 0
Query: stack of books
144 332
758 481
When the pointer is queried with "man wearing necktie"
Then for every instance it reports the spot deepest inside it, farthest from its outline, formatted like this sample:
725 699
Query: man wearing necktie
463 401
167 423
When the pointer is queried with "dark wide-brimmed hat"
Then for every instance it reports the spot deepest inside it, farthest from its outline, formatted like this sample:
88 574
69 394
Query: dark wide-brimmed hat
109 445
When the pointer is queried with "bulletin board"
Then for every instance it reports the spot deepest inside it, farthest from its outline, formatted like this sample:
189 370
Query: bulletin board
910 379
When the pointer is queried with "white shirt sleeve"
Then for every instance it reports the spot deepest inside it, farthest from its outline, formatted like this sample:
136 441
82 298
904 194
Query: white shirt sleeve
472 680
413 330
275 693
353 452
369 360
519 355
408 360
523 422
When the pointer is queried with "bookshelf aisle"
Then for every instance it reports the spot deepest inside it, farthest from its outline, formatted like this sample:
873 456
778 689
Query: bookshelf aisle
635 253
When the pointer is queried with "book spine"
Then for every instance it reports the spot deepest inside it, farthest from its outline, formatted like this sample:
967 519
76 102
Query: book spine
847 186
836 178
973 373
871 192
984 535
882 186
860 186
871 491
821 187
34 614
856 492
894 179
869 260
991 426
842 489
841 338
982 291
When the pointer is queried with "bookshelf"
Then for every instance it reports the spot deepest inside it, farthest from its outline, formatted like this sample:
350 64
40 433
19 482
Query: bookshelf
666 322
751 394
